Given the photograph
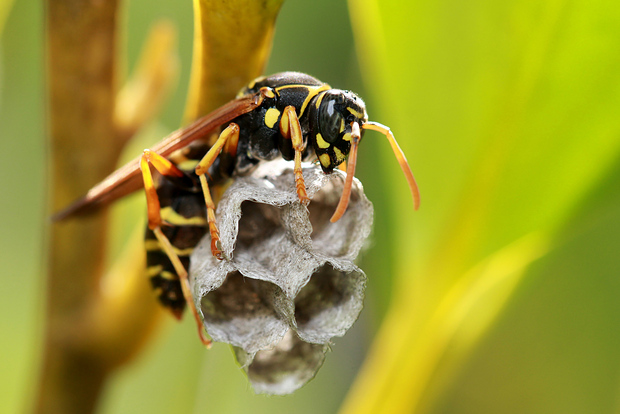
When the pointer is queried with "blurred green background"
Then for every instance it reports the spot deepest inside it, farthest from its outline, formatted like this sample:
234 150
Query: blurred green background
499 296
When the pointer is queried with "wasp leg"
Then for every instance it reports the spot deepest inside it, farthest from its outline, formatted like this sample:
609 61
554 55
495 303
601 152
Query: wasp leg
166 168
290 128
230 138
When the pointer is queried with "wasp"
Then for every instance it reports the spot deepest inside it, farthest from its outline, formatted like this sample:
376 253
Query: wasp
290 115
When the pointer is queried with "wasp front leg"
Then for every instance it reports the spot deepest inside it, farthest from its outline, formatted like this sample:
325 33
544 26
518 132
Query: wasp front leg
291 129
229 138
166 168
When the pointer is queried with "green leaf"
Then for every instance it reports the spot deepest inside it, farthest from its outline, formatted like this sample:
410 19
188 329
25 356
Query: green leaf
231 46
508 114
5 8
555 348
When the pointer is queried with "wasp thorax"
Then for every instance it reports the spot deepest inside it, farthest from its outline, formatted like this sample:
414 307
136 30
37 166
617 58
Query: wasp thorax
331 120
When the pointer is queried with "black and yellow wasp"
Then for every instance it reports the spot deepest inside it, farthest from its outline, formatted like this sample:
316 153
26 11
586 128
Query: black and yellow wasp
290 115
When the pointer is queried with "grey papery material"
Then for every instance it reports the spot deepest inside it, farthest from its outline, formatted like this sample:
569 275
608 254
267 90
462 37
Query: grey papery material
288 283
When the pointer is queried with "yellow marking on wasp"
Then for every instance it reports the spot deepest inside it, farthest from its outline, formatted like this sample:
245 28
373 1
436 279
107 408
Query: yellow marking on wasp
187 165
312 92
250 86
168 275
158 271
154 270
321 142
172 217
271 117
255 81
179 156
339 155
354 112
347 137
341 124
325 160
153 245
267 92
319 100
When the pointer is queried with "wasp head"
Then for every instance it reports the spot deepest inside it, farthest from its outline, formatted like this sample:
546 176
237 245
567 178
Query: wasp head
337 121
332 129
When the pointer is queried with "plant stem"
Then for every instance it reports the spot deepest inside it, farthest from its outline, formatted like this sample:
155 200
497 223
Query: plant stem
96 322
81 50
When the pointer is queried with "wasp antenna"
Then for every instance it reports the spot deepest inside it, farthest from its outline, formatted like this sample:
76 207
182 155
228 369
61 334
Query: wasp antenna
346 191
400 156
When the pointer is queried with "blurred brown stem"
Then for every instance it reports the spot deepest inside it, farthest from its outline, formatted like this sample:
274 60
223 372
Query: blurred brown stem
84 148
94 323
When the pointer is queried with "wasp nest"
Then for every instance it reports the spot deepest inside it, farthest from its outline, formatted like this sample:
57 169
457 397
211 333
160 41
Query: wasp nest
289 283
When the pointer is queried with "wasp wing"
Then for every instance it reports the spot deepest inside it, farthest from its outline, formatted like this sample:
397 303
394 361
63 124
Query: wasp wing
128 178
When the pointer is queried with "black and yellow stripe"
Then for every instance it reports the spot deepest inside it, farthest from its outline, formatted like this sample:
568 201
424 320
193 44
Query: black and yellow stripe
184 214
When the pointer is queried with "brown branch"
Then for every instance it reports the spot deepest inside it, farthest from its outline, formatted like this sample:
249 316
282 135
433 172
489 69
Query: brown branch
84 147
95 323
81 47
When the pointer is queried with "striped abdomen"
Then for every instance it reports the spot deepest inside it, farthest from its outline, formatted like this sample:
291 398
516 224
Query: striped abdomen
184 214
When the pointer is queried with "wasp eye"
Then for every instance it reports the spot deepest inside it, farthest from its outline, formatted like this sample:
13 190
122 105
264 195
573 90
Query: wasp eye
331 121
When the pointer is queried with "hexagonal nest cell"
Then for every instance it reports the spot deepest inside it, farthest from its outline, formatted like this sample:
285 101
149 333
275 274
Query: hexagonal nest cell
288 283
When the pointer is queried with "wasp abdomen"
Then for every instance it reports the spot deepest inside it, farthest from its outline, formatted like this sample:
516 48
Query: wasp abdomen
183 212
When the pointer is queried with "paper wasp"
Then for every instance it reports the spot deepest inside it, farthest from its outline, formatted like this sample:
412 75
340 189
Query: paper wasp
290 115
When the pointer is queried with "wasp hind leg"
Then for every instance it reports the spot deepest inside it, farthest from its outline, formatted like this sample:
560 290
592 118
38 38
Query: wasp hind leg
166 168
229 138
291 129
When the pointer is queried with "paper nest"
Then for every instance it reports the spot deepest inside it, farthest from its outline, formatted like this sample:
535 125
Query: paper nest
288 283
